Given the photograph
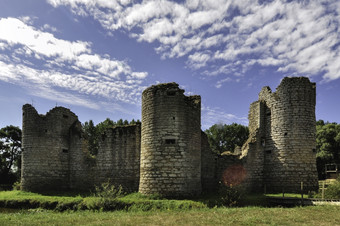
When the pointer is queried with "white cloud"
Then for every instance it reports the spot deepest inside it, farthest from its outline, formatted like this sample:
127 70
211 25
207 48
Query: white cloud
297 36
220 82
211 116
36 58
48 27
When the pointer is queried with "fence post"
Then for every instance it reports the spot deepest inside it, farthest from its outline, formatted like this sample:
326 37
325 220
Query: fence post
301 193
323 190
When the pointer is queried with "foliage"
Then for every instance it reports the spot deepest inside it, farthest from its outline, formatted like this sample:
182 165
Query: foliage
91 133
10 154
108 191
333 190
131 202
230 195
327 145
226 137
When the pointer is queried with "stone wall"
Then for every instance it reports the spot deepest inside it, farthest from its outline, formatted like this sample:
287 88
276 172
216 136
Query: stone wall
46 148
252 150
209 177
282 136
118 157
169 154
171 142
56 156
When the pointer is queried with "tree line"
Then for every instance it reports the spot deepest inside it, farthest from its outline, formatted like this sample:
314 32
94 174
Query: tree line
221 137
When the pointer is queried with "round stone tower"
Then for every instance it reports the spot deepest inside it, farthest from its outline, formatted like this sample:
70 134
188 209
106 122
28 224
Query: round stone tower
170 163
289 143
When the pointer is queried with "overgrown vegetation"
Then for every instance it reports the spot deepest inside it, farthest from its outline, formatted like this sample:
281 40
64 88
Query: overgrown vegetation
327 145
224 137
10 154
332 191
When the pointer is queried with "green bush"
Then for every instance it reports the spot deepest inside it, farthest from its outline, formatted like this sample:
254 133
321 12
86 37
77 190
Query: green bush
333 190
108 191
17 186
230 195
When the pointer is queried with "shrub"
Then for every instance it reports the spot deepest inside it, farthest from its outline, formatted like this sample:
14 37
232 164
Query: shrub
108 191
333 190
17 186
230 195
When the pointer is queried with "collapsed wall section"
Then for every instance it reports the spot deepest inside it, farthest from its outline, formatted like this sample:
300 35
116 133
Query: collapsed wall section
208 166
252 151
282 137
171 142
46 146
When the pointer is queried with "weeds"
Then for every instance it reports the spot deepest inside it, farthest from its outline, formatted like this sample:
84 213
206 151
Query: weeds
108 191
333 190
230 195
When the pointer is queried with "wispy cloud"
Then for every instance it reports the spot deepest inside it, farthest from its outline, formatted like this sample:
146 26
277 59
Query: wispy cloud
294 36
211 116
36 58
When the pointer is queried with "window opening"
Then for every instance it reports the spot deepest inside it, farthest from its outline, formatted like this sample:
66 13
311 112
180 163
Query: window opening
170 141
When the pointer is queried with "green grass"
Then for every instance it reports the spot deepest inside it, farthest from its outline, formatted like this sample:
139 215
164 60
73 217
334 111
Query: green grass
319 215
131 202
138 209
287 195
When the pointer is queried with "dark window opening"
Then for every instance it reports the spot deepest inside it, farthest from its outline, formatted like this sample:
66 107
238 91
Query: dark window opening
314 150
173 118
268 151
65 151
65 116
286 134
171 93
45 130
170 141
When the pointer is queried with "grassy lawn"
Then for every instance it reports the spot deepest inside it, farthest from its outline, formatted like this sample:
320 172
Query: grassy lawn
320 215
137 209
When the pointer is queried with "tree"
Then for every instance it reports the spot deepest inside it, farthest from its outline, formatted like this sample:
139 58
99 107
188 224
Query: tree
91 134
133 122
327 145
10 154
226 137
120 122
107 123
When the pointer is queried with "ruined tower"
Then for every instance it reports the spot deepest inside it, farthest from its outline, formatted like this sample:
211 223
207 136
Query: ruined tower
170 162
46 143
282 136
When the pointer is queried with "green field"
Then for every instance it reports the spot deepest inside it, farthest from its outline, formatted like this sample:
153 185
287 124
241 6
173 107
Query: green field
321 215
135 209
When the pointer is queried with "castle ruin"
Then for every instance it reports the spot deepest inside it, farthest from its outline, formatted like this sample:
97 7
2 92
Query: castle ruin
280 151
168 154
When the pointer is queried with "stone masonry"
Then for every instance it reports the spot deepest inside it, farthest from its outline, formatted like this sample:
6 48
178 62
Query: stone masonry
168 153
55 155
171 142
280 151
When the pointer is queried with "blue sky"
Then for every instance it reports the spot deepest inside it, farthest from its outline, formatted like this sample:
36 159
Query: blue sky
97 56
